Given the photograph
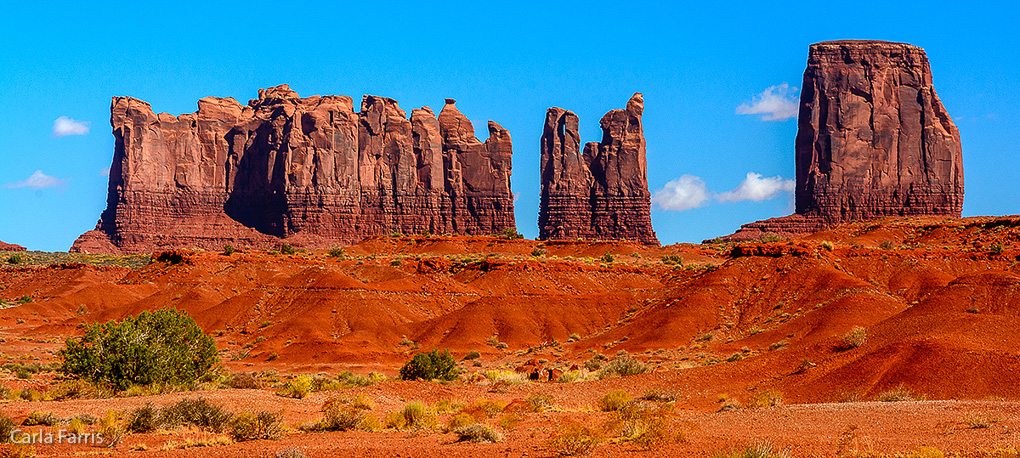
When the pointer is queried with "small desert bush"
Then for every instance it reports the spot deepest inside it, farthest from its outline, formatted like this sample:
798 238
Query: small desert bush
430 366
297 388
37 418
857 337
244 381
195 412
143 419
622 366
927 452
649 426
673 259
900 393
418 416
336 252
6 428
459 420
477 433
760 450
228 250
489 406
287 249
614 400
511 377
336 416
111 428
539 402
349 379
765 398
826 245
78 389
77 426
473 354
290 453
395 420
658 395
263 425
574 439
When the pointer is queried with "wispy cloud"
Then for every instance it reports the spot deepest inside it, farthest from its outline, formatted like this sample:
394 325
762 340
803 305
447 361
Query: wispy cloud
64 126
757 188
777 103
682 193
39 180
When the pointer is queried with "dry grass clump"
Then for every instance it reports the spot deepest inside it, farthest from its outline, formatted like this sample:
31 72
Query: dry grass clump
262 425
476 433
759 450
857 337
539 402
765 398
647 425
111 428
460 420
622 366
574 439
338 416
614 400
900 393
414 415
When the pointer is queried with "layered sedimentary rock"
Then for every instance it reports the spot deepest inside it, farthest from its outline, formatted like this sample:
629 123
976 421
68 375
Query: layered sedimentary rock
600 192
873 140
11 247
310 171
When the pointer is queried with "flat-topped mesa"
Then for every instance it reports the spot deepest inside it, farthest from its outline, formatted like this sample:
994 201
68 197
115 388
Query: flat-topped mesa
600 192
873 140
308 171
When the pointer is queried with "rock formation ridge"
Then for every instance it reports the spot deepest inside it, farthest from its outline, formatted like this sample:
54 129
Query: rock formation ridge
873 140
310 171
600 192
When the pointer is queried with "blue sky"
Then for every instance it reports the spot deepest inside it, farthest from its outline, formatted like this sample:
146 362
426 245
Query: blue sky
504 61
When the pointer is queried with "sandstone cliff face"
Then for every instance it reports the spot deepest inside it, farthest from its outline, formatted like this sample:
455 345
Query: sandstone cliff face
873 140
310 170
600 192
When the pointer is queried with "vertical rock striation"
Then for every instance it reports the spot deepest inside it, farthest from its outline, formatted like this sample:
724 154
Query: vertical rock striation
311 171
873 140
600 192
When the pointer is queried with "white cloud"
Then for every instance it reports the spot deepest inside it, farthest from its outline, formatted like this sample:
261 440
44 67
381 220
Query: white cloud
39 180
63 126
777 103
106 172
681 194
756 188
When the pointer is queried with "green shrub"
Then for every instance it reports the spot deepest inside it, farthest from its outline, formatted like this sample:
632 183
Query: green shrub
15 259
572 439
286 249
511 234
165 346
607 258
996 248
430 366
417 415
228 250
826 245
673 259
263 425
337 253
473 354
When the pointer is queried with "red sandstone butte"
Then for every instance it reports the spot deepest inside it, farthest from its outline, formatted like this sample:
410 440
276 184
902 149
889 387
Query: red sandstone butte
308 171
873 140
600 192
11 247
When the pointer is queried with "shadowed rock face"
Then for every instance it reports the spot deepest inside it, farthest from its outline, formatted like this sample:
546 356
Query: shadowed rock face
310 170
873 140
600 192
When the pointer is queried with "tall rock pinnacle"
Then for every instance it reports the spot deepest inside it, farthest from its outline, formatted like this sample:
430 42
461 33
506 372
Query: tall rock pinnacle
600 192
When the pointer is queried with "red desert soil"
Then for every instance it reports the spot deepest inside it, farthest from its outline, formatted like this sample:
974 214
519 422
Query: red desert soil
934 304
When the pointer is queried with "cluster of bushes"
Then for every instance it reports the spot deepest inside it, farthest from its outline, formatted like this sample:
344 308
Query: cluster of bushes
201 414
430 366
